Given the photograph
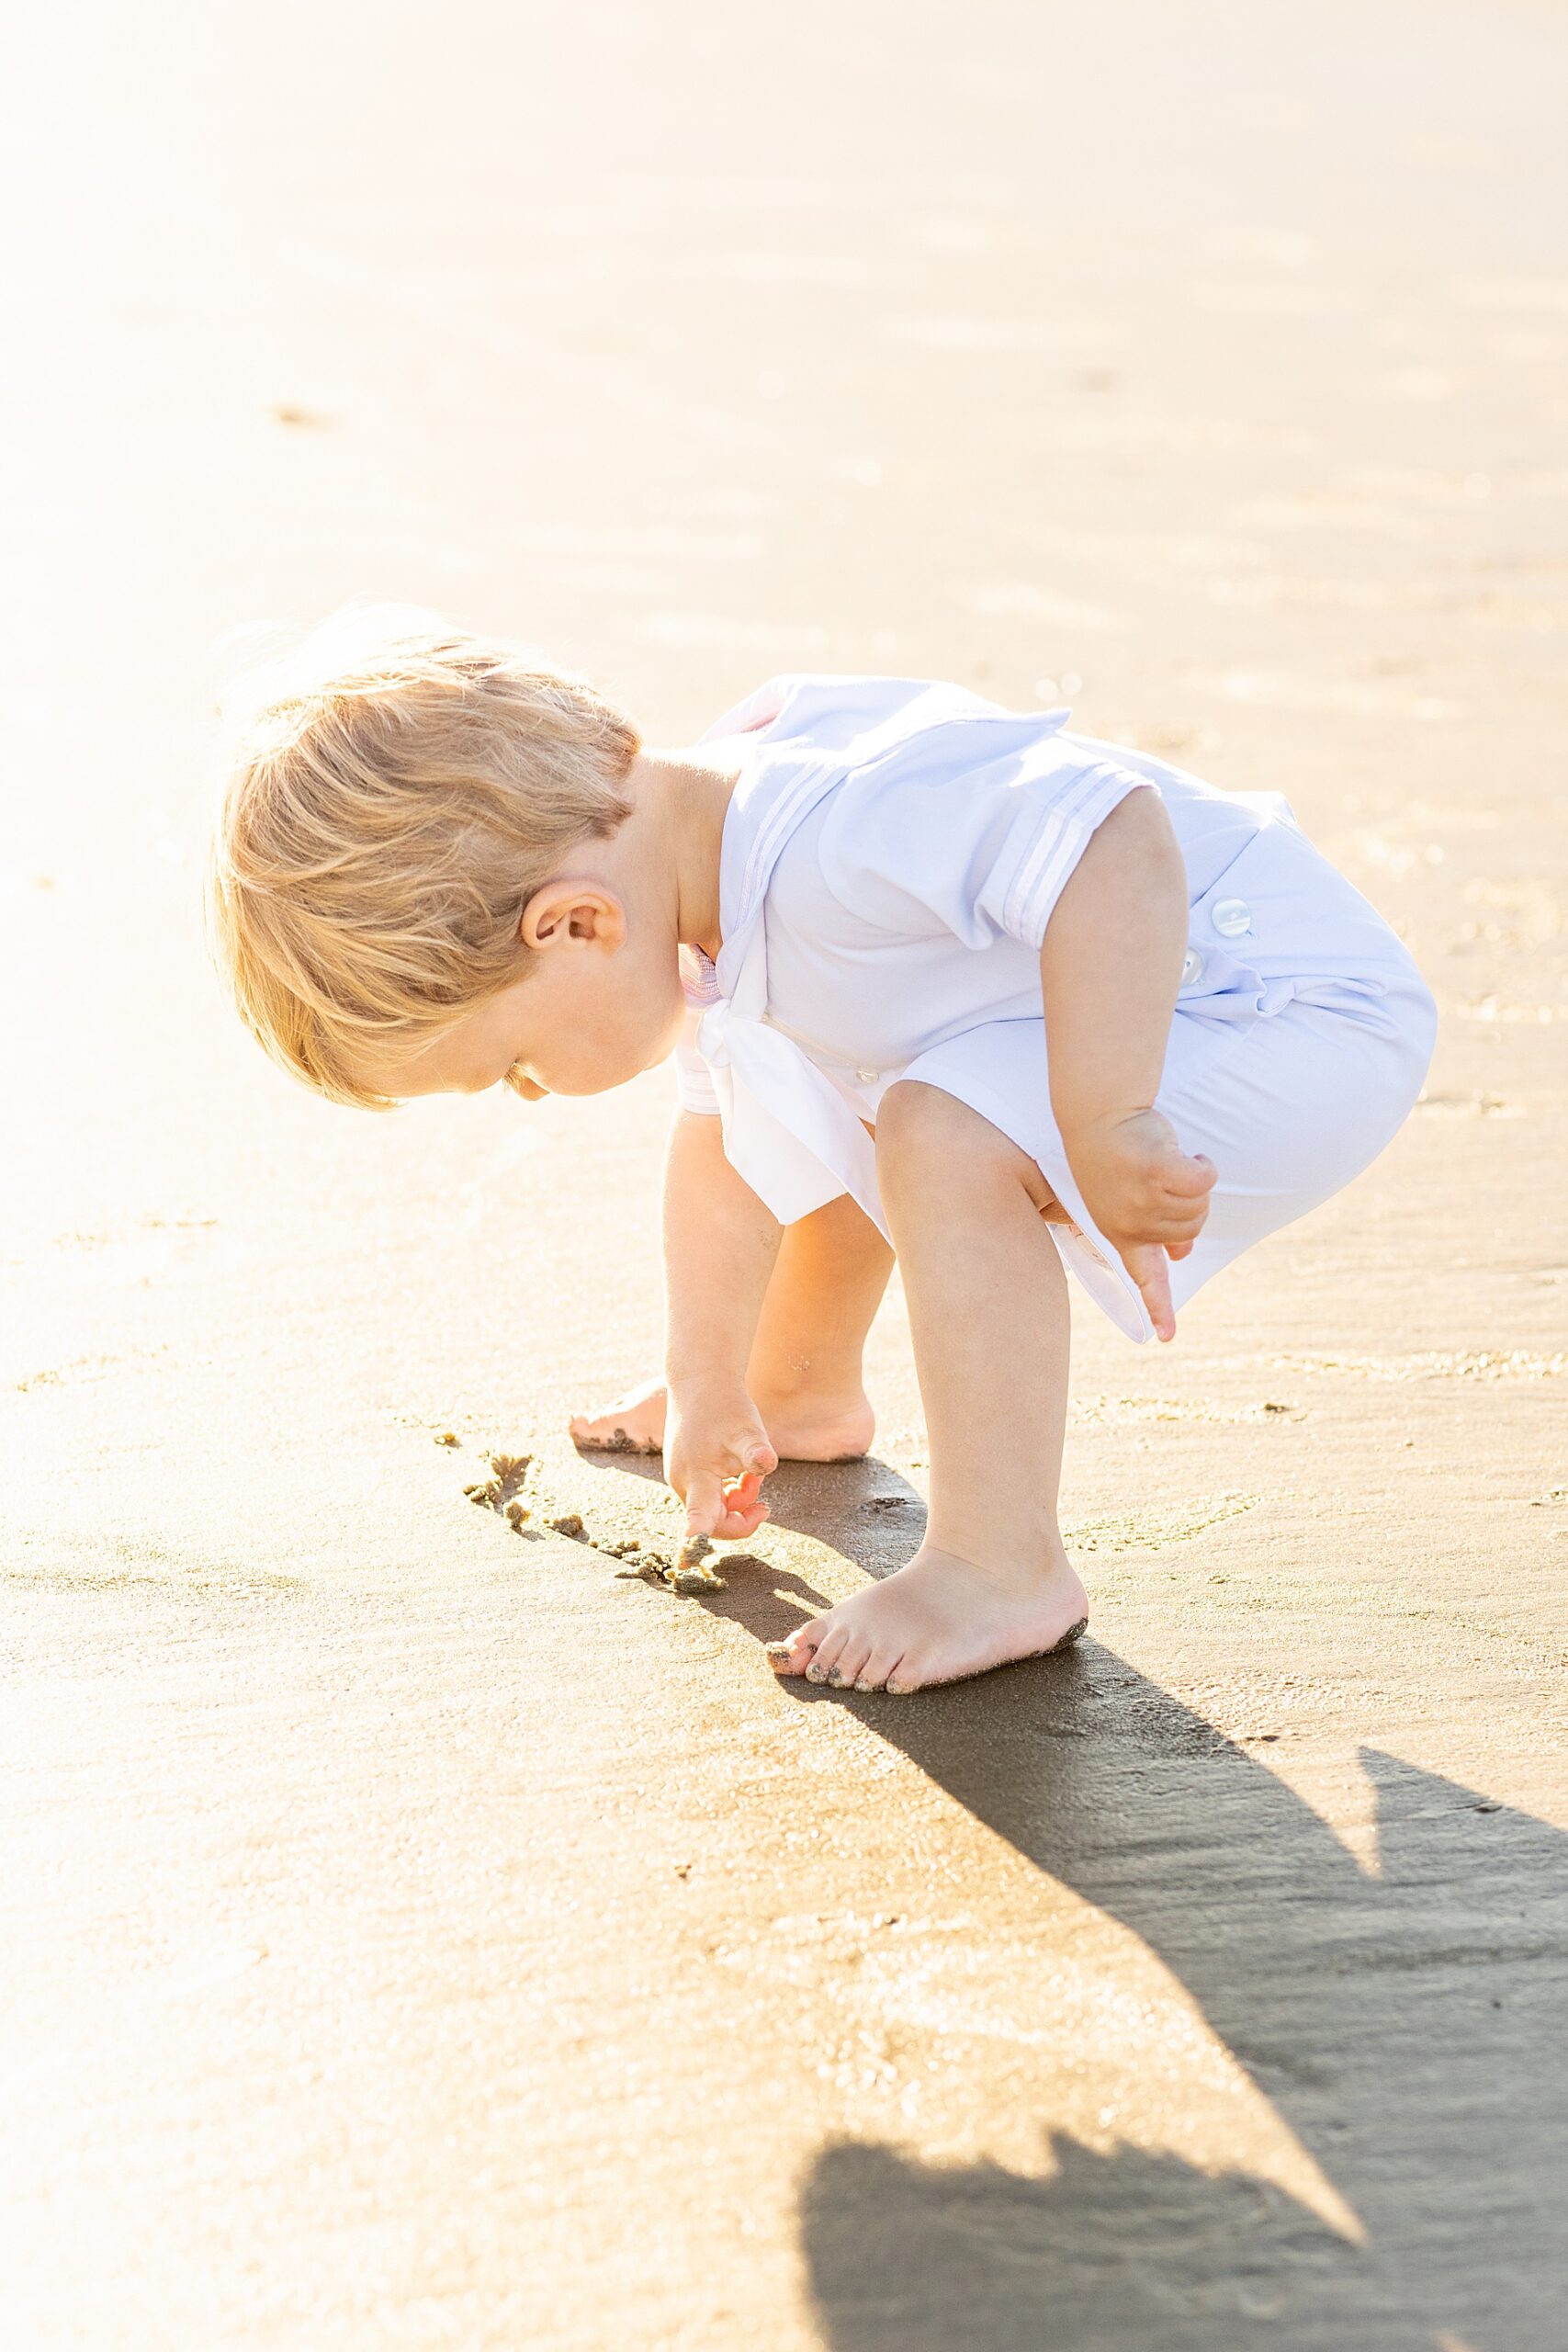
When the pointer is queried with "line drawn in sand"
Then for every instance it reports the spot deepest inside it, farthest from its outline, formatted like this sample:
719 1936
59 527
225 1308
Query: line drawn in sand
690 1570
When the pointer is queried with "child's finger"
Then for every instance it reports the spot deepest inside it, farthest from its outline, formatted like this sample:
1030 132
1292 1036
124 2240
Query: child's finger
1164 1229
736 1525
706 1505
1190 1177
1186 1185
1180 1208
744 1508
1185 1228
1150 1269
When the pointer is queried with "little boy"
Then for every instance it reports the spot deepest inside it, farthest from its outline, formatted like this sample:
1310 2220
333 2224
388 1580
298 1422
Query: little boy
955 983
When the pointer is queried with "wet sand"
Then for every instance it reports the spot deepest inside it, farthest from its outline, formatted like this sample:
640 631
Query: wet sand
421 1929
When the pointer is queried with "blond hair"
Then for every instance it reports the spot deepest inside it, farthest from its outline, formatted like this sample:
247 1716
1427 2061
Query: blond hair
390 813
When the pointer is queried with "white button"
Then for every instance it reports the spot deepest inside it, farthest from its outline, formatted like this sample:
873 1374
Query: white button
1231 917
1192 969
866 1077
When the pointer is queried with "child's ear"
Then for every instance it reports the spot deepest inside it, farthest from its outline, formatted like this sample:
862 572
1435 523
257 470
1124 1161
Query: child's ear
569 910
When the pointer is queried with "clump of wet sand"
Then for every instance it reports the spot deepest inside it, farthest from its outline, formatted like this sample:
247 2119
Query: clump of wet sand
498 1492
690 1571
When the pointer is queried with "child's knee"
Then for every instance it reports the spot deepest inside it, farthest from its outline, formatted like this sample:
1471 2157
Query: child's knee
926 1135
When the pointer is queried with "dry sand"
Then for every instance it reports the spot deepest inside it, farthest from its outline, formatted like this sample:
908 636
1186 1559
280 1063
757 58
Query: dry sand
416 1933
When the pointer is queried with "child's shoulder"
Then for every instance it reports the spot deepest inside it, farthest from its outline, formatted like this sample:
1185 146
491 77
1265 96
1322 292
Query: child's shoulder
897 738
853 715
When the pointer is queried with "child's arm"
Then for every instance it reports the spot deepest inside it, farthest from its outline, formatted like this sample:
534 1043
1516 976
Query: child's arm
1111 966
720 1247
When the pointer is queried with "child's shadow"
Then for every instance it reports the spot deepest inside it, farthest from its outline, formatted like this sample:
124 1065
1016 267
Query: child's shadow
1406 2027
863 1511
1403 2024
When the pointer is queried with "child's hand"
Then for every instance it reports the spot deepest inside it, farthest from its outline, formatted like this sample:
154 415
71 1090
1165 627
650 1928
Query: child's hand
1146 1196
716 1455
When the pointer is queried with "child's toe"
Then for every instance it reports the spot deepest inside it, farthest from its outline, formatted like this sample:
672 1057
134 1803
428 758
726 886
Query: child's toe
794 1654
614 1433
851 1662
878 1666
826 1657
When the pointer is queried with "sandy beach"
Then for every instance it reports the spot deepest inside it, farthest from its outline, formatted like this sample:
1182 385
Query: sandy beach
423 1933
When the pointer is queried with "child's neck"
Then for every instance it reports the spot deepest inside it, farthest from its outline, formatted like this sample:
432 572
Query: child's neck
687 795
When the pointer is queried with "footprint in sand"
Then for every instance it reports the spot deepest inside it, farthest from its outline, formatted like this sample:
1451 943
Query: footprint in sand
1131 1412
1437 1363
1469 1106
80 1368
1151 1530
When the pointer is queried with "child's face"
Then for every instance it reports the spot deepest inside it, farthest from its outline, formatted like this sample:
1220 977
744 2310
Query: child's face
598 1005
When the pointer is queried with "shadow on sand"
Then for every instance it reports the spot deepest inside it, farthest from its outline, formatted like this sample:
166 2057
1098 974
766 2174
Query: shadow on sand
1408 2026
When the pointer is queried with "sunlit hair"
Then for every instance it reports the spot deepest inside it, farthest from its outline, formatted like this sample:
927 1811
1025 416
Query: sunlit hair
400 794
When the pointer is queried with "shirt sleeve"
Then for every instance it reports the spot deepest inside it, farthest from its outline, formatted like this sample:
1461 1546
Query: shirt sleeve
981 852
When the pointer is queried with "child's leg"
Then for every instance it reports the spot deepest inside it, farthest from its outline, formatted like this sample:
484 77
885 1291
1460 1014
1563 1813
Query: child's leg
807 1369
988 1311
805 1376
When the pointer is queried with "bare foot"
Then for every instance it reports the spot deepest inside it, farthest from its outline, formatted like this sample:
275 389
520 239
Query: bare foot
633 1424
937 1619
802 1429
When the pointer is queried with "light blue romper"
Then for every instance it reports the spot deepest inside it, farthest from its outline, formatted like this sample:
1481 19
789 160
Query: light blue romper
892 856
